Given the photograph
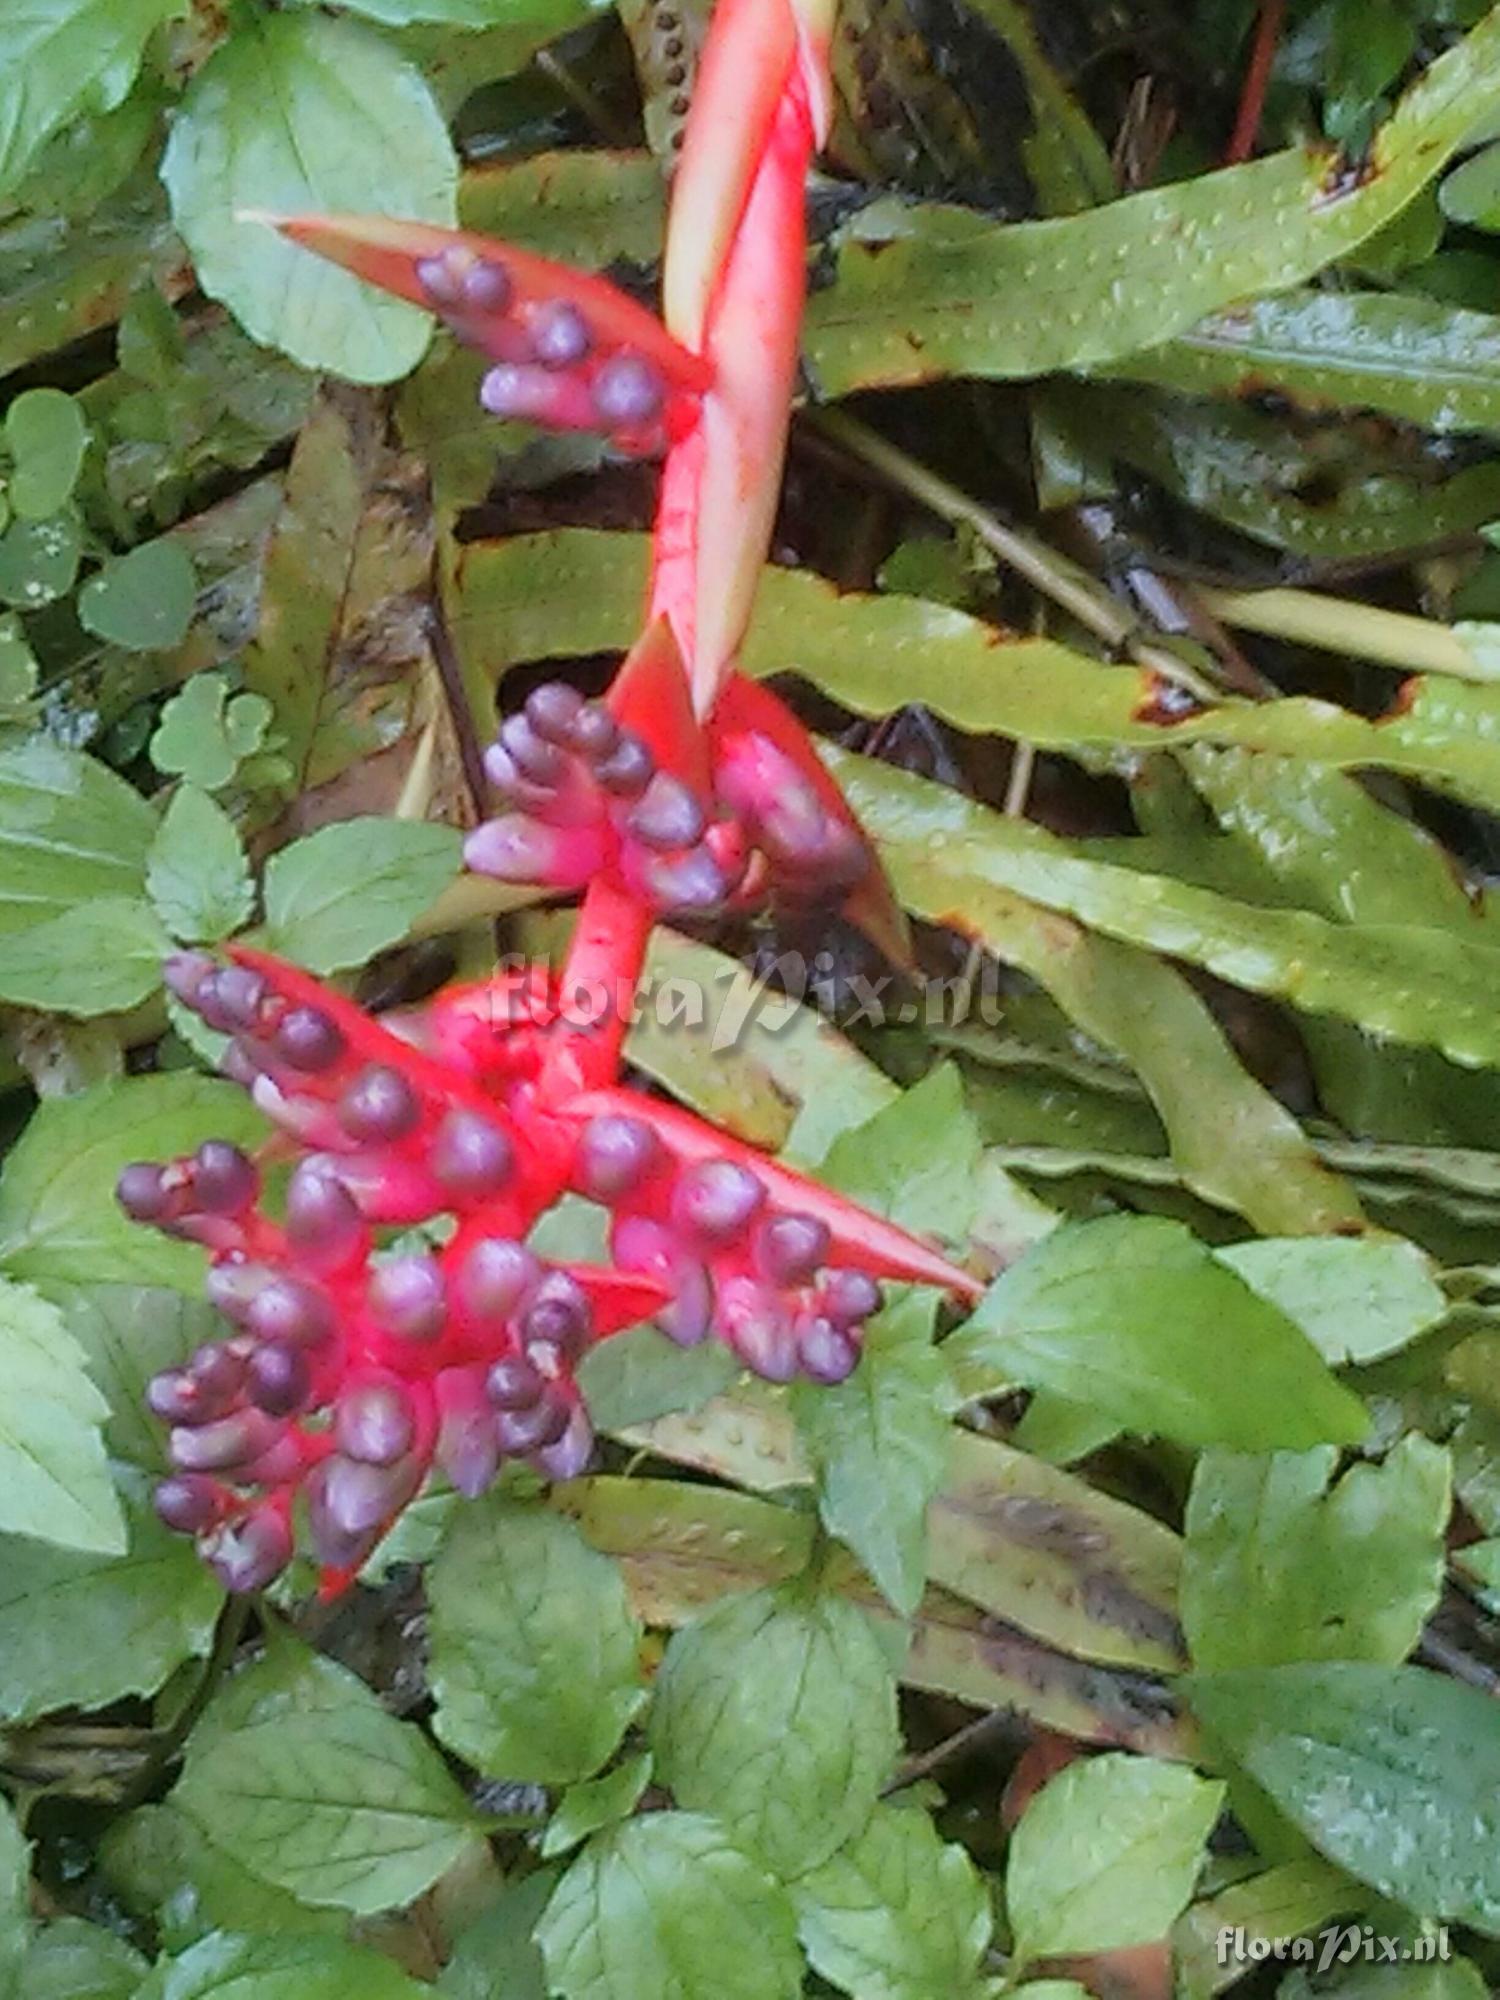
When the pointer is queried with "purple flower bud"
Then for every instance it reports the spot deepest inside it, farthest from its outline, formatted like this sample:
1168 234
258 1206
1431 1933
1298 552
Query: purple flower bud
234 1283
323 1222
517 848
286 1309
848 1297
184 972
497 1274
639 1244
188 1503
538 395
615 1154
667 816
374 1423
248 1554
225 1181
140 1191
278 1378
240 1064
406 1296
572 1451
223 1444
306 1039
514 1383
439 279
471 1156
828 1353
593 732
486 286
533 756
628 391
521 1432
380 1105
716 1199
176 1398
688 882
349 1503
240 996
560 334
552 709
628 768
218 1370
758 1327
790 1248
208 1006
467 1449
558 1316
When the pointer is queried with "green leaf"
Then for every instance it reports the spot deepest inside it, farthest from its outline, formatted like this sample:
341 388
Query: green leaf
298 112
54 1482
226 1967
166 1867
1106 1855
39 561
597 1802
80 1630
15 1897
1288 1901
1132 1314
1392 1772
74 1960
880 1445
143 601
47 436
59 1225
349 890
61 58
99 958
497 1958
197 874
1279 1567
777 1712
128 1333
204 736
459 13
924 291
302 1775
635 1377
897 1914
533 1648
917 1161
665 1905
1355 1301
18 675
1471 193
1452 1979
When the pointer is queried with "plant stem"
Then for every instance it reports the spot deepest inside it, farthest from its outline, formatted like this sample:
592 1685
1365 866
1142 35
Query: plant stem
1343 625
1067 584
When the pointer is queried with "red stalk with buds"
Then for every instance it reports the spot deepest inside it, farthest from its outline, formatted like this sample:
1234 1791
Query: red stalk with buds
351 1371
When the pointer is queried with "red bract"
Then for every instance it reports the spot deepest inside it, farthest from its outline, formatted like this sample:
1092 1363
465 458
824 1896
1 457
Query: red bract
357 1363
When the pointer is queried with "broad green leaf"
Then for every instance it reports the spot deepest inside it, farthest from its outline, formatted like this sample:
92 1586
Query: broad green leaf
880 1445
665 1905
74 1960
1134 1315
1392 1772
533 1649
59 1225
47 436
15 1899
1471 193
19 672
931 291
302 1775
197 875
128 1333
54 1482
70 831
1106 1855
635 1377
1279 1903
143 601
39 561
299 112
917 1161
578 591
98 958
497 1958
349 890
226 1967
81 1630
1413 358
897 1914
1355 1301
166 1867
204 736
1043 1550
61 58
777 1712
1453 1979
596 1802
1282 1566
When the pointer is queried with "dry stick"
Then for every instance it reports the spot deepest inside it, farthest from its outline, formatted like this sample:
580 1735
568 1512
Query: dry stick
1257 78
1068 585
1344 625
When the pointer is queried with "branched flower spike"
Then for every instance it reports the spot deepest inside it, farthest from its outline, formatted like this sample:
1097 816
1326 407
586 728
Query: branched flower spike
356 1364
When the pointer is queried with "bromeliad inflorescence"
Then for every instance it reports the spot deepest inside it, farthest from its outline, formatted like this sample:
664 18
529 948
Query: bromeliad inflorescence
356 1364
